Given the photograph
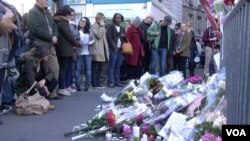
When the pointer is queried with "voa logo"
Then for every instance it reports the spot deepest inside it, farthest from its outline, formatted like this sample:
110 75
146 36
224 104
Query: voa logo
236 132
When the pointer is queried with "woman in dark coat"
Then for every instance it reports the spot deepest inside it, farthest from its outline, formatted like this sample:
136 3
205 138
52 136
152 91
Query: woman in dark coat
65 47
115 38
134 62
35 68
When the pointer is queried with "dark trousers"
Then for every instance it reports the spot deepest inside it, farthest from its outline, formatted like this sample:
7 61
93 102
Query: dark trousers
64 63
182 61
191 67
99 70
175 62
147 58
134 72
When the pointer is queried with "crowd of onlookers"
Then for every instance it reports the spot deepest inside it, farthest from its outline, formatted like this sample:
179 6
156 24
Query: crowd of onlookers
61 51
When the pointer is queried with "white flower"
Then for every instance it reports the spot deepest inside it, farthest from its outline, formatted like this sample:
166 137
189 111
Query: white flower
167 92
136 104
150 94
134 98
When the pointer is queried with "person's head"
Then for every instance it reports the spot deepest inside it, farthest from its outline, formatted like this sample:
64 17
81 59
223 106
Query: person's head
117 18
42 3
149 19
136 22
189 26
41 53
84 24
128 23
99 17
64 11
177 28
183 27
72 14
167 20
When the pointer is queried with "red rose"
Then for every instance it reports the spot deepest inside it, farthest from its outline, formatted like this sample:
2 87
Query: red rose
229 2
110 116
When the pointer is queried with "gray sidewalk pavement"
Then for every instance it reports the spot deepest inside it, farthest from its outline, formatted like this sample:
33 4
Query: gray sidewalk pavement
51 126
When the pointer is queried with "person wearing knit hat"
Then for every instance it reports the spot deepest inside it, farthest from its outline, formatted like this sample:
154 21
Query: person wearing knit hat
162 46
168 19
144 25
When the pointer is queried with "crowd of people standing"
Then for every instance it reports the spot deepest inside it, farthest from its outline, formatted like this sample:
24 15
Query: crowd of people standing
61 51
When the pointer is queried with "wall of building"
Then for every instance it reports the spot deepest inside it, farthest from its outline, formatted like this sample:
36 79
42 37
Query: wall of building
192 12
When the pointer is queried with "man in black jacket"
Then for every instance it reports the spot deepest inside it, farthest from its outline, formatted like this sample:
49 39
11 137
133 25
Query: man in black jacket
144 25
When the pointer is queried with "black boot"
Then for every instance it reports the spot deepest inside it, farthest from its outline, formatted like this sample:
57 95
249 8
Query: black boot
86 87
78 87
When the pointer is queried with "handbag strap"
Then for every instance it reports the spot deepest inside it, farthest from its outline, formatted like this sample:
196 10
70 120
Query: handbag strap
28 91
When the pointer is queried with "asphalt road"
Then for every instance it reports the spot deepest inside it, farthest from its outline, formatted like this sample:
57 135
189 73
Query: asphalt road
51 126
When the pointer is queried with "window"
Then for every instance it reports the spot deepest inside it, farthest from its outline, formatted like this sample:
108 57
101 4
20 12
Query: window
198 24
78 17
190 17
76 1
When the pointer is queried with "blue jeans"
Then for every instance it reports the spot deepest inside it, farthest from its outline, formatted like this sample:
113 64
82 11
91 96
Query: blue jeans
70 74
115 61
160 55
83 61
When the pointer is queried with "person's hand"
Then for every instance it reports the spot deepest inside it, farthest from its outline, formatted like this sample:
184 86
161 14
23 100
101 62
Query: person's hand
54 39
158 33
178 51
102 22
122 35
41 83
79 44
213 39
8 15
6 23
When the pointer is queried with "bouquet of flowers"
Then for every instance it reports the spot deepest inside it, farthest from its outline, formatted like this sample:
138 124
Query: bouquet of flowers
206 132
124 99
195 79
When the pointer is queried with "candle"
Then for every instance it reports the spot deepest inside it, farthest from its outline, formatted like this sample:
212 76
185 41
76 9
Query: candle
108 136
136 133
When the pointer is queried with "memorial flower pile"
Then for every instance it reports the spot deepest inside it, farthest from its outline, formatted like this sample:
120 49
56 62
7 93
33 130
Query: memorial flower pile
154 103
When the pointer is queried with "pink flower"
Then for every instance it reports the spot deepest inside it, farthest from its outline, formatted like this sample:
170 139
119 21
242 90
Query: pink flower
207 137
218 138
127 131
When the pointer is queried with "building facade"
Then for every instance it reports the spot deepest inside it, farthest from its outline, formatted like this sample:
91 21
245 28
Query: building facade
193 12
179 10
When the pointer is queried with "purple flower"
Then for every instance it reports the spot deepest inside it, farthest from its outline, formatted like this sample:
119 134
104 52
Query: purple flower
218 138
208 137
127 131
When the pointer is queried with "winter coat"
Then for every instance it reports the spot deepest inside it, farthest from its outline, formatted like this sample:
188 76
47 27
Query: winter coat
66 39
153 29
38 27
113 36
135 35
29 75
185 44
100 49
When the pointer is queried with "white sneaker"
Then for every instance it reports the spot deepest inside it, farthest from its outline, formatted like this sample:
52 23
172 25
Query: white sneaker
64 92
70 90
